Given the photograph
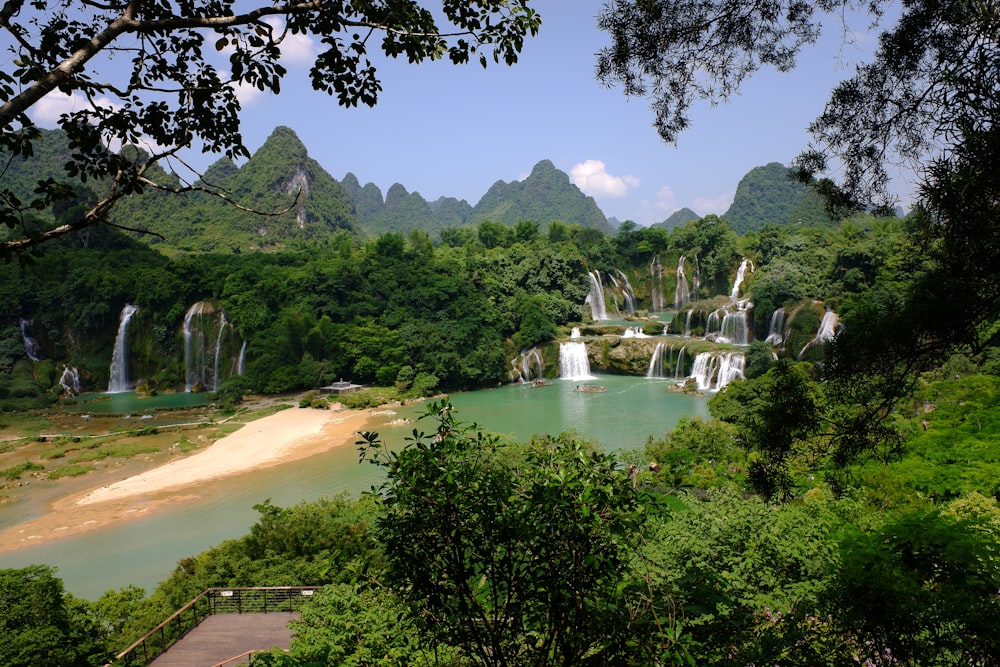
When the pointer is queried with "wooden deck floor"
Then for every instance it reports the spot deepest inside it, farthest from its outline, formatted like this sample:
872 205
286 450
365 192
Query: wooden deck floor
223 636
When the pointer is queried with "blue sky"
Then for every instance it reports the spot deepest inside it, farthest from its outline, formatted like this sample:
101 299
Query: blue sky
445 130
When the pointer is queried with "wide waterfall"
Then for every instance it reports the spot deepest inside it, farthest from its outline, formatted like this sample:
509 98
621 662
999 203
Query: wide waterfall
730 324
573 362
118 380
740 277
30 345
656 300
208 343
682 293
827 330
712 371
598 311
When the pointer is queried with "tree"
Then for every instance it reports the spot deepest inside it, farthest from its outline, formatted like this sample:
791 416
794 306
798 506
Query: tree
171 97
42 625
515 557
774 414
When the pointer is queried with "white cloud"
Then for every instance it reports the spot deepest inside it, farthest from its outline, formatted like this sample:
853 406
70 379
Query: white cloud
47 110
296 49
665 200
591 177
717 205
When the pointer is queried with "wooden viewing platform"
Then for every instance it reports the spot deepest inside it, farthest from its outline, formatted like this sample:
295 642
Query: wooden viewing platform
220 627
221 637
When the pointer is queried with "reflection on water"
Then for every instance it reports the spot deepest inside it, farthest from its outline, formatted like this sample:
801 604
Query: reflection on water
144 551
129 402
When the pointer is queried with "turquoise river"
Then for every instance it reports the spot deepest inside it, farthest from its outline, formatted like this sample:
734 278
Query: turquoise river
144 551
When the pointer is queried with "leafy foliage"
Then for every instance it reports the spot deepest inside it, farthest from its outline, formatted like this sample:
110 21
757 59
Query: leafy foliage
514 557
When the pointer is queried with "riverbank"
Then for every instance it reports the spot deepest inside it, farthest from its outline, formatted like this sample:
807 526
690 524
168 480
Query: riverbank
285 436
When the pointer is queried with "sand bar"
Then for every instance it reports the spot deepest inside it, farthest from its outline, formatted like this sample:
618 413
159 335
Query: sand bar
288 435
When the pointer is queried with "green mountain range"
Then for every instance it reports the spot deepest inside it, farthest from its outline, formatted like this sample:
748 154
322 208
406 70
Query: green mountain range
282 198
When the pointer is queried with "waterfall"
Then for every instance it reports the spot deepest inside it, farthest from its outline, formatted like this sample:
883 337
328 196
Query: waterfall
598 311
241 361
525 362
687 324
713 325
627 292
574 332
682 293
30 345
70 380
218 351
634 332
573 362
827 330
712 371
205 347
118 380
656 362
736 324
656 285
740 276
695 279
194 346
679 366
776 329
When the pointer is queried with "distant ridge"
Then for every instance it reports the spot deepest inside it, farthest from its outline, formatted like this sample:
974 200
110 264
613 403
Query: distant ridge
771 195
677 219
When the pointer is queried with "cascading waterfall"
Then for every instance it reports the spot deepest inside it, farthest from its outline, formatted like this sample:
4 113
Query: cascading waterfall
687 324
573 362
194 346
218 350
30 344
627 292
827 330
735 324
656 285
529 365
656 362
712 371
574 332
208 343
634 332
776 329
598 311
70 380
740 277
118 380
614 293
682 293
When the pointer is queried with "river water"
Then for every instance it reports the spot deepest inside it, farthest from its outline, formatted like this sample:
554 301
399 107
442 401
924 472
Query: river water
144 551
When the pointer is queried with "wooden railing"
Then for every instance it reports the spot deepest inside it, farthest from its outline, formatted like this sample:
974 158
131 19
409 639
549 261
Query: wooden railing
256 600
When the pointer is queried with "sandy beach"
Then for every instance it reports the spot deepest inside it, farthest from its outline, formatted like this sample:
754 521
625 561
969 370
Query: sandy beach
288 435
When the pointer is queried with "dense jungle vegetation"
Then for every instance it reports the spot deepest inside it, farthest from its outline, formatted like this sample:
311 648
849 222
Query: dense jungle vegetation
839 507
758 540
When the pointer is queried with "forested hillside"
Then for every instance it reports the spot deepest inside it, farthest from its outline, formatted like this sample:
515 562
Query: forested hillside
771 195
